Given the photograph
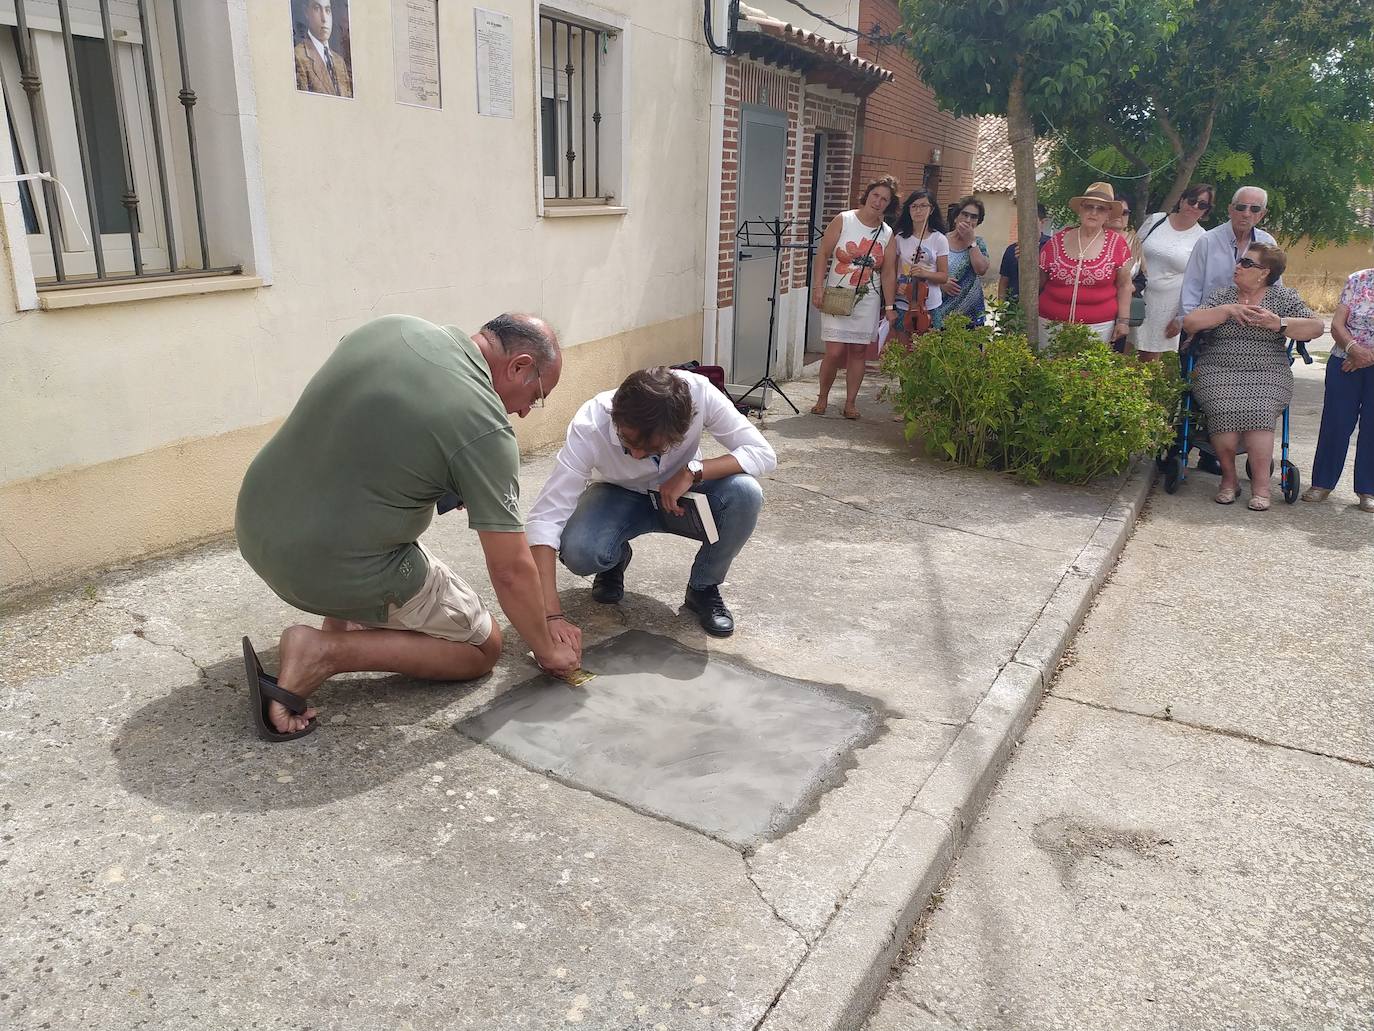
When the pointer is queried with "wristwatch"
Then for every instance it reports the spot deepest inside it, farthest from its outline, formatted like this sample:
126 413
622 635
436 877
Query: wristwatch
1283 327
696 469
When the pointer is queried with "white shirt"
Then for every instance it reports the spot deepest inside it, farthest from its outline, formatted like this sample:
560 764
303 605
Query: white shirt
935 245
319 49
594 453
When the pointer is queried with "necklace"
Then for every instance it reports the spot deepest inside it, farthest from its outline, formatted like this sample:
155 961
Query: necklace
1078 272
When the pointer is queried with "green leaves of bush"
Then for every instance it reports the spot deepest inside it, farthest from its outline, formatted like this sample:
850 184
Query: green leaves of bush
984 398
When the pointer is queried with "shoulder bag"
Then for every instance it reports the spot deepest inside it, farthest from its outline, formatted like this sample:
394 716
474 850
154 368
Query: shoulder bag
840 300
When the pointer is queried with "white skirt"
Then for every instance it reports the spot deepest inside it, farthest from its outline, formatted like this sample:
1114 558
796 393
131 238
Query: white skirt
1102 329
858 328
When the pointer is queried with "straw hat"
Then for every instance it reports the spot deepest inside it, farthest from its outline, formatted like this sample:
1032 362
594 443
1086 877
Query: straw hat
1099 192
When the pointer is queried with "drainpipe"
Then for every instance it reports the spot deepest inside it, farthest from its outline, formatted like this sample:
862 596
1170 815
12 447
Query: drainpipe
710 342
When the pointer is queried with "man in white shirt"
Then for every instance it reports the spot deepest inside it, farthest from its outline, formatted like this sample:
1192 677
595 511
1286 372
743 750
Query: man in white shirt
1213 262
647 435
319 67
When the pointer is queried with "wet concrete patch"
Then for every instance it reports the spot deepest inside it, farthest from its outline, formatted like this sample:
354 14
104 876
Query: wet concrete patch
716 745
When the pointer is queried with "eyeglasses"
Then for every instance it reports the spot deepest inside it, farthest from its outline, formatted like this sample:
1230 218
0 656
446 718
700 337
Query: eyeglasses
1254 209
1093 207
1248 263
1201 205
972 216
539 381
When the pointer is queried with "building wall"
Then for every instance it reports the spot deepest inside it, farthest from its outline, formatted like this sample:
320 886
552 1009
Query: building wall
126 427
902 122
998 228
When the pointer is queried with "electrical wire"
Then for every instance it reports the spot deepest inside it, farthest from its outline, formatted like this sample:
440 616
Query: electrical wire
1063 141
721 51
875 37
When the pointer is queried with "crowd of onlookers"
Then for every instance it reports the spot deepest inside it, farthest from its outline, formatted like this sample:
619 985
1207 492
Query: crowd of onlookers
894 272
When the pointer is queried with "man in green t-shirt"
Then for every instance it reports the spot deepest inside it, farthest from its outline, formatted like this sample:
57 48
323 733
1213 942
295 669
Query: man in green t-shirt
403 414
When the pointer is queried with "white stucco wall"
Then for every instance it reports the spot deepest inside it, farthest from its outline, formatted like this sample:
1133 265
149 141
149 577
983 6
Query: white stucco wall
372 207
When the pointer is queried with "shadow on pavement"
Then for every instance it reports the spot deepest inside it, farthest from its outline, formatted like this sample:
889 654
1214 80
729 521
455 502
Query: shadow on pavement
194 749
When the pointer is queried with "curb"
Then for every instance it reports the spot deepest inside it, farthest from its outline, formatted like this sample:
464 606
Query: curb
843 973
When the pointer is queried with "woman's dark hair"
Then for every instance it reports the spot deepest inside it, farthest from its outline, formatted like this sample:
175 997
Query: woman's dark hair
905 225
967 202
656 404
1272 258
1195 191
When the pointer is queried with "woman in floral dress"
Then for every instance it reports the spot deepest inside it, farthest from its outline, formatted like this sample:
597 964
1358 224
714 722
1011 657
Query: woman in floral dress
854 253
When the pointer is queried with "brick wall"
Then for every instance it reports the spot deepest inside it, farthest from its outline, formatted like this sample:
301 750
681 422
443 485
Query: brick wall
902 121
807 114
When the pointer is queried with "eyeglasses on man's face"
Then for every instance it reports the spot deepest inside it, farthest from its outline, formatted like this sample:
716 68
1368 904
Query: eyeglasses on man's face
539 382
972 216
1201 205
1248 263
1254 209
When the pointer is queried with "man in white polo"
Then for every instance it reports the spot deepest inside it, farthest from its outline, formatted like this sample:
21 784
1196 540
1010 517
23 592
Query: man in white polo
647 435
1212 264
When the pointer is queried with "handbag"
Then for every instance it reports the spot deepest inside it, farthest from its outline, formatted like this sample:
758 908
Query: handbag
1140 280
841 300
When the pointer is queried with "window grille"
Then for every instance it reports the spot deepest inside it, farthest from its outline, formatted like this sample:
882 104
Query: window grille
570 115
92 118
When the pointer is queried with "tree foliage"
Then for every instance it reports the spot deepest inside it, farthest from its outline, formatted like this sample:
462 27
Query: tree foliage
1279 93
1051 59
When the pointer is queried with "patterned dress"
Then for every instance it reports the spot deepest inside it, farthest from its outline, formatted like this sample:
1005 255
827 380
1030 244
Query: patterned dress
1242 380
857 263
969 300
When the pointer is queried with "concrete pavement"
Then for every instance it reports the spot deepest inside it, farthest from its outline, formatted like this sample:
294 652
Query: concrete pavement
164 868
1186 837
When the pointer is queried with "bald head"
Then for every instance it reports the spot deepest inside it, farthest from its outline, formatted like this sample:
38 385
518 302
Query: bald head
525 359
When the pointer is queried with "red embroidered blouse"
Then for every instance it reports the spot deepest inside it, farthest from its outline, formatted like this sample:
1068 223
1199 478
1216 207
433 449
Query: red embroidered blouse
1096 280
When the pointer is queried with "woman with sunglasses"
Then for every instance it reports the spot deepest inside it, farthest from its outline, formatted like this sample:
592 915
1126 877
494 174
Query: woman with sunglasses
1166 244
968 263
1085 270
1241 380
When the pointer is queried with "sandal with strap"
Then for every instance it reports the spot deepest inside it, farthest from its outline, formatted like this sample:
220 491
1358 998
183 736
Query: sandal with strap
262 689
1366 503
1226 496
818 408
1316 493
851 413
1258 504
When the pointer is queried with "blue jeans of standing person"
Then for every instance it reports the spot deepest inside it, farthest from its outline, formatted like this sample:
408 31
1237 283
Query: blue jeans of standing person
608 516
1349 399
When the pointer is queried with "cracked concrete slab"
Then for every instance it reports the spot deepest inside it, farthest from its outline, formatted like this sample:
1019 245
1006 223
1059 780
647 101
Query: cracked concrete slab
164 866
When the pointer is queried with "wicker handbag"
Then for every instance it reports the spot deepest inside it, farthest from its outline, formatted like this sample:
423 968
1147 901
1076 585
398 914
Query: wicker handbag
841 300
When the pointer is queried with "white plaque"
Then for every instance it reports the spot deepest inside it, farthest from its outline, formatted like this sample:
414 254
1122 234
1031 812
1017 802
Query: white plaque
415 45
495 64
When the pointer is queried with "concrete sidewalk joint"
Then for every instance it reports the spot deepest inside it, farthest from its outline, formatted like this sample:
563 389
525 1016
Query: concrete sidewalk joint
843 971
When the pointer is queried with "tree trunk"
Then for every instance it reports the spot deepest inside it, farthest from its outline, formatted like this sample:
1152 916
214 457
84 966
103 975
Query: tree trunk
1021 135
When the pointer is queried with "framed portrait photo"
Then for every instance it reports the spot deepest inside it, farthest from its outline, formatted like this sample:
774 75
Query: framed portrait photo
323 48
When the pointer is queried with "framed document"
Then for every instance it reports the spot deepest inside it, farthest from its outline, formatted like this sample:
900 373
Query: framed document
415 52
495 39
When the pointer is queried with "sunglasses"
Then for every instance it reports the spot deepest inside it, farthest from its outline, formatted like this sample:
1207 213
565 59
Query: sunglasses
1094 207
1254 209
1201 205
1248 263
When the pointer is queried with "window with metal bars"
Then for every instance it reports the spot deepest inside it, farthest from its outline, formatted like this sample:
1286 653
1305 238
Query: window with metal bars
87 104
579 111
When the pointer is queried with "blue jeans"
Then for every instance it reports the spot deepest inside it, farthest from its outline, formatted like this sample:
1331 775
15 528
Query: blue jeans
1349 399
608 516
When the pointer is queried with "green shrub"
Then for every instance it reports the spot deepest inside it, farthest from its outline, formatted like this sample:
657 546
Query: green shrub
983 397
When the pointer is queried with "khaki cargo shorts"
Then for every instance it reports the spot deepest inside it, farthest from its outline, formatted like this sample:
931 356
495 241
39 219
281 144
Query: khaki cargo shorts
445 607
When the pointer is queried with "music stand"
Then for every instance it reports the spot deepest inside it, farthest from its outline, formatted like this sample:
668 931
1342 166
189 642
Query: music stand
762 232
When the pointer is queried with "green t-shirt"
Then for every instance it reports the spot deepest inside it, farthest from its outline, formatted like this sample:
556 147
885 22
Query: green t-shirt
400 414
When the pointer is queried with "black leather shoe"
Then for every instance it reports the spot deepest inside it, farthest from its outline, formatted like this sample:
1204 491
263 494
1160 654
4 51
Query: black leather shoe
711 612
609 587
